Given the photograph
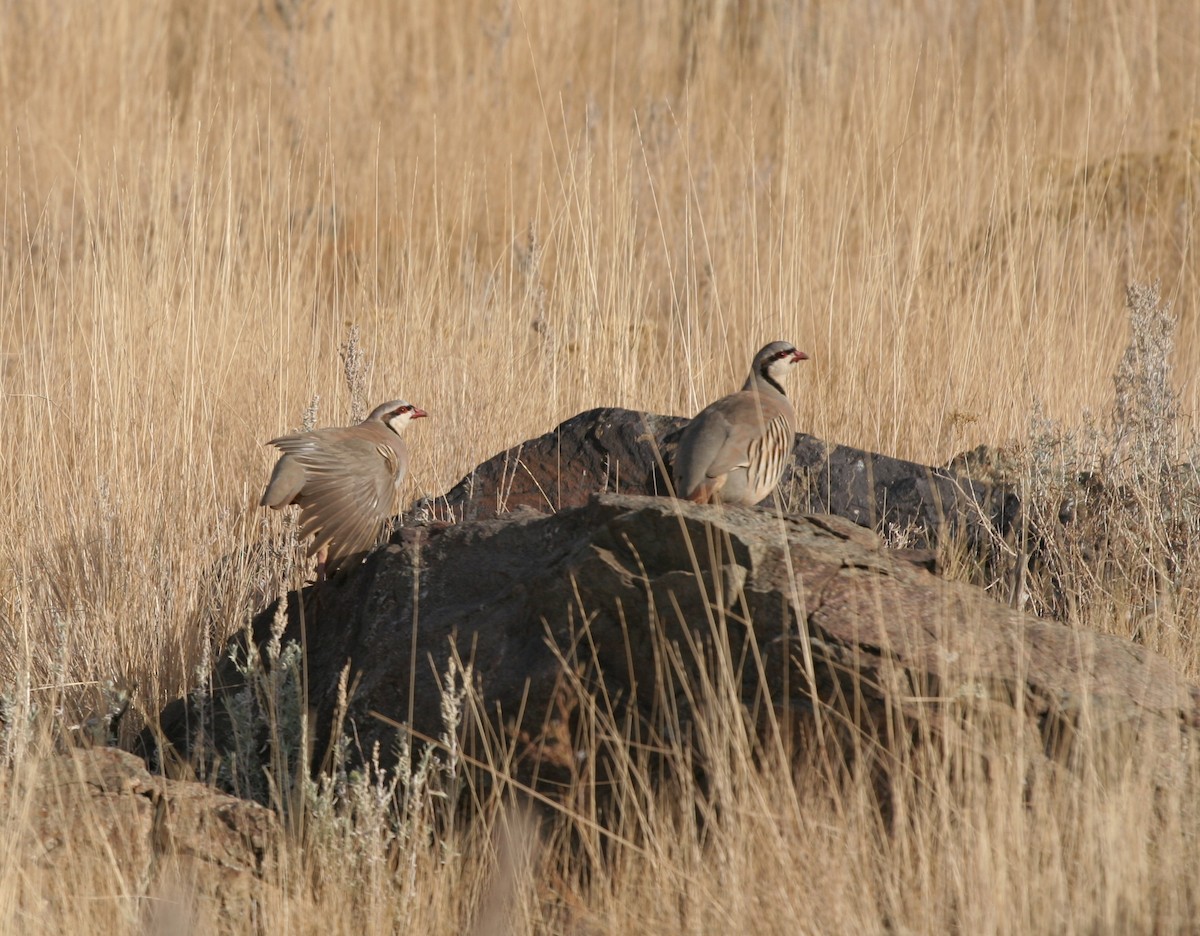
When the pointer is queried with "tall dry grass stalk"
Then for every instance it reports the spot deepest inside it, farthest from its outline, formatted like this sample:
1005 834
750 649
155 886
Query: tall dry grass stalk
521 210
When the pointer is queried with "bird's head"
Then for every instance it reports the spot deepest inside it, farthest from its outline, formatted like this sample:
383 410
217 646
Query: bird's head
397 414
776 359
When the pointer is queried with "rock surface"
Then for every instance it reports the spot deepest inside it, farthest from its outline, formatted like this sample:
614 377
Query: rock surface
626 452
560 612
161 836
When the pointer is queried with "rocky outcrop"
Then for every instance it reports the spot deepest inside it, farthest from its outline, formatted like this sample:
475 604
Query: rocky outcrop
163 838
621 602
625 452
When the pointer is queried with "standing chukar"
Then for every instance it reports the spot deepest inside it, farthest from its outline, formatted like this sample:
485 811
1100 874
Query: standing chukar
735 450
346 482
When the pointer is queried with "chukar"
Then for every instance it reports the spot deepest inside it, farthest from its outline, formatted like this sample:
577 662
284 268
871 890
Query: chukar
735 450
345 481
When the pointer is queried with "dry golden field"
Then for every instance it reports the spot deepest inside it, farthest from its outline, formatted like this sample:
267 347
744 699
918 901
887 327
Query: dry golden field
528 209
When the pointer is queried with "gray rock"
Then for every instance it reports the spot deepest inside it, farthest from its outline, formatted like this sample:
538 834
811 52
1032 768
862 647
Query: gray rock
622 451
585 607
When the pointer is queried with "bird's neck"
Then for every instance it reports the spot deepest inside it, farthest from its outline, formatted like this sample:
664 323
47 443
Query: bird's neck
764 383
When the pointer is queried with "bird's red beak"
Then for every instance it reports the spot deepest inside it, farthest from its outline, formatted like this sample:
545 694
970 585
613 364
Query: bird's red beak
417 412
799 356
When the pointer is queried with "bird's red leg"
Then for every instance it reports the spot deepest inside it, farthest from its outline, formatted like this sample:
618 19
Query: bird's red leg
706 493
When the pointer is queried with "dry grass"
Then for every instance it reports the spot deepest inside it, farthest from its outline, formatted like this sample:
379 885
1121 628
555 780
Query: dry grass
528 209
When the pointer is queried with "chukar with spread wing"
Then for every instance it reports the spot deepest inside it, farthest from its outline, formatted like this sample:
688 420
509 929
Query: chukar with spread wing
736 449
346 481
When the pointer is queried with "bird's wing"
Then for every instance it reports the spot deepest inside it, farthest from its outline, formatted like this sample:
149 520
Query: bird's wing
732 429
287 481
700 441
350 487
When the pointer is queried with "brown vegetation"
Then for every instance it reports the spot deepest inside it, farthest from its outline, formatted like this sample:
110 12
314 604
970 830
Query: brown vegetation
530 209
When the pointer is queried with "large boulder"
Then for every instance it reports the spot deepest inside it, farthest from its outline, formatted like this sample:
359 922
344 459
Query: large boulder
622 602
626 452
